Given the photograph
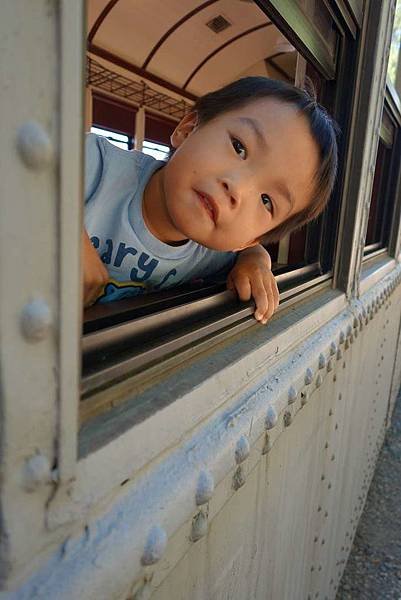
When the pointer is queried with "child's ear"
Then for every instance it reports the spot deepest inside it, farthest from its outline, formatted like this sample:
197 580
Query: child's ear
184 128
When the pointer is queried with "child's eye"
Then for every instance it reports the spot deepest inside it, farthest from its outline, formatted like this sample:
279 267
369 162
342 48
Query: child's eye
267 202
239 148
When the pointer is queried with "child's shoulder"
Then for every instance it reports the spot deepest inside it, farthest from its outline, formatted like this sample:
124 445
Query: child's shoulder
99 144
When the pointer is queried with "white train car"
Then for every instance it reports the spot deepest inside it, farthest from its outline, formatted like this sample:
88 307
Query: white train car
175 449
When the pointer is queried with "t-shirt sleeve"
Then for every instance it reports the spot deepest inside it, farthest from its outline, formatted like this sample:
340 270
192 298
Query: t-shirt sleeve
93 164
223 263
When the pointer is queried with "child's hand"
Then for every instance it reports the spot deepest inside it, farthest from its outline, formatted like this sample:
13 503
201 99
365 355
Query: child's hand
252 277
94 271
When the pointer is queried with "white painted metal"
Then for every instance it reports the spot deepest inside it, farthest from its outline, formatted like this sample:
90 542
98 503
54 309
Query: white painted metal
299 482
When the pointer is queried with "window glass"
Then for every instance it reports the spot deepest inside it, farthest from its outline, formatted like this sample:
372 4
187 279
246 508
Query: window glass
119 140
394 63
378 229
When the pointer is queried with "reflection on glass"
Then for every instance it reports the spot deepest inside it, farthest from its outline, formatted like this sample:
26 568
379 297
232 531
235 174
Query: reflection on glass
394 63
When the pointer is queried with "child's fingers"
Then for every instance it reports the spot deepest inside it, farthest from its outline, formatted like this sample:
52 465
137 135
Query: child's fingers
243 288
272 297
260 295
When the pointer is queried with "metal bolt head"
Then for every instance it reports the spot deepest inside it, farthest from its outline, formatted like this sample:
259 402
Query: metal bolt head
239 478
242 450
205 488
292 395
37 472
34 145
199 526
36 320
308 376
155 546
271 418
287 419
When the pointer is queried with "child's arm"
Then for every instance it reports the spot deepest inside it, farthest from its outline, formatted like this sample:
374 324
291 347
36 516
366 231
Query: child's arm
95 275
251 276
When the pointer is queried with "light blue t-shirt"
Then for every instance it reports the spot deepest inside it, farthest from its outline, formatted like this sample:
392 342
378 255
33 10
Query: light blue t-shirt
136 260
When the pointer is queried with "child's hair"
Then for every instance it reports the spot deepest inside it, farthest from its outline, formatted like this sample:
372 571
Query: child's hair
324 129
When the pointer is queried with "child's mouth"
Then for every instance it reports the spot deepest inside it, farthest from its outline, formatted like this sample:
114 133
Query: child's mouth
209 204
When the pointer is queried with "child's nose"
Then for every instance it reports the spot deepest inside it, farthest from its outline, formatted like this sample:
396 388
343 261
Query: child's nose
233 192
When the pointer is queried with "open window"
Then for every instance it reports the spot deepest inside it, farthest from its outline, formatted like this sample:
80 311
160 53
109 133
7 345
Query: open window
144 84
384 202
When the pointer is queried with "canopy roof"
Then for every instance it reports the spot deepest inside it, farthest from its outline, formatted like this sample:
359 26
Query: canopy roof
186 49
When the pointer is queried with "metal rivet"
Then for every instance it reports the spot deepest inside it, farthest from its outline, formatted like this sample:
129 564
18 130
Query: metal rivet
349 330
242 450
346 345
308 376
238 478
205 488
155 546
319 380
287 419
333 348
34 145
322 361
342 337
36 320
271 418
329 365
199 526
36 472
304 398
351 339
292 394
339 354
355 322
355 334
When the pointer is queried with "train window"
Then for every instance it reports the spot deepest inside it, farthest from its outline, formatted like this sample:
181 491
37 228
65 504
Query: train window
155 76
382 197
394 63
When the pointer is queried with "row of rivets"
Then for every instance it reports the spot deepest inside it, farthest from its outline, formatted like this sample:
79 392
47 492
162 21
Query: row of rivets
37 468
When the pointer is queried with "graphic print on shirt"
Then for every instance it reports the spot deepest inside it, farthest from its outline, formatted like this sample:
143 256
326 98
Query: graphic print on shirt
142 276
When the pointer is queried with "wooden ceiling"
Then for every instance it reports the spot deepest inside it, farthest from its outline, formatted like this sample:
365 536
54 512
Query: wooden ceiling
169 44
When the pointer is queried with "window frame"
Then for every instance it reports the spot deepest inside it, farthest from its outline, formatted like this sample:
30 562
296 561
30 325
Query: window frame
233 322
315 269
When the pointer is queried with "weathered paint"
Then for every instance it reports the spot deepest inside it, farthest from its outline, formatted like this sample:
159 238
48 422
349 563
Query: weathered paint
309 484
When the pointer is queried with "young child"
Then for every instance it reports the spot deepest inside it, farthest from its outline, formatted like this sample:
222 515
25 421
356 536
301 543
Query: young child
256 157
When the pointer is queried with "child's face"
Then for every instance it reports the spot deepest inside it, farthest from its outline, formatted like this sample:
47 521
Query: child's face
236 177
